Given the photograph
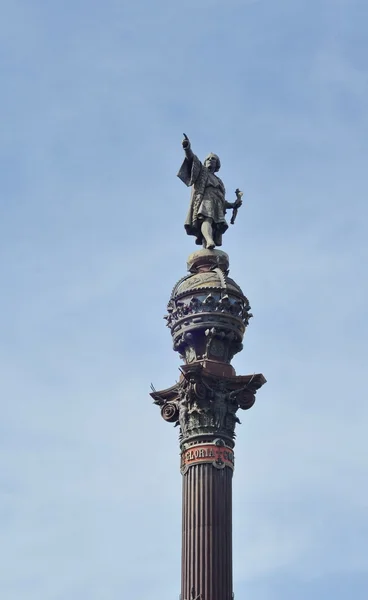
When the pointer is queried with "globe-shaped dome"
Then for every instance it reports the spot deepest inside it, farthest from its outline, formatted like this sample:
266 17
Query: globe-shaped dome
207 311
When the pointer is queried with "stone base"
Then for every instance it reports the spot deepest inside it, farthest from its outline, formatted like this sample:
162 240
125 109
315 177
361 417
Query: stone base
205 260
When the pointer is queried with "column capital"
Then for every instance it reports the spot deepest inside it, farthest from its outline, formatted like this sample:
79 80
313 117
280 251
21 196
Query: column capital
204 405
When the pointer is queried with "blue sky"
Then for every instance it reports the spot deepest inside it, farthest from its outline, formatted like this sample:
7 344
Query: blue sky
95 97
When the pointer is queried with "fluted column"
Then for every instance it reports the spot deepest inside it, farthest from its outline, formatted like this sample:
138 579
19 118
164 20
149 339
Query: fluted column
207 533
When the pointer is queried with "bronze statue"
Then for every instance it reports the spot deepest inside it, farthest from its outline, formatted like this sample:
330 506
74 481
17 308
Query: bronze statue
206 216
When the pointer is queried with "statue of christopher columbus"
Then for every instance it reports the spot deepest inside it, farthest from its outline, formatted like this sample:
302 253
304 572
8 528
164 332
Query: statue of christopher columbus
206 215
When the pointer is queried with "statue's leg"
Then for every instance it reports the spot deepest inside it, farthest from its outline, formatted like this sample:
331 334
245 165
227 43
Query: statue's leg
217 236
207 233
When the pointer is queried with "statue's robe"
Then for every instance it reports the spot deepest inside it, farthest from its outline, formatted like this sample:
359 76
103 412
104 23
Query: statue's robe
207 199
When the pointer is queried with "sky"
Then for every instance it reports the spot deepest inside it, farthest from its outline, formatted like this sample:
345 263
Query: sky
95 97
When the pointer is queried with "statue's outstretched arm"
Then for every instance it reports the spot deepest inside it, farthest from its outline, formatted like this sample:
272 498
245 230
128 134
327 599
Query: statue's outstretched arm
187 147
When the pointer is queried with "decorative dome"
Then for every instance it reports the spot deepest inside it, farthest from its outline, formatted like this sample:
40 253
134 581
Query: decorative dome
207 311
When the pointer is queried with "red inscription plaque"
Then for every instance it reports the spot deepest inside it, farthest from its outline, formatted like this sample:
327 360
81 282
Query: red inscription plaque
219 456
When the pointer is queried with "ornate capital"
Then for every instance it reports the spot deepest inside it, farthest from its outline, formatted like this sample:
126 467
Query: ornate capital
205 406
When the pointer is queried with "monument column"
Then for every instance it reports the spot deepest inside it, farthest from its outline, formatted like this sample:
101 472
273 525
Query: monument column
207 316
207 532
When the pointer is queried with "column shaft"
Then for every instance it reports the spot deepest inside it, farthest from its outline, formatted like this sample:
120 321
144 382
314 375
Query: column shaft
207 533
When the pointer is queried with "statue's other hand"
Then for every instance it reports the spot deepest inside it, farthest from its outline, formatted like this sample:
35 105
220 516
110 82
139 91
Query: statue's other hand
185 143
238 202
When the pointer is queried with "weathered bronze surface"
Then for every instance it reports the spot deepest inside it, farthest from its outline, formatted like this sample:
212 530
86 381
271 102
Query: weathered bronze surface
206 215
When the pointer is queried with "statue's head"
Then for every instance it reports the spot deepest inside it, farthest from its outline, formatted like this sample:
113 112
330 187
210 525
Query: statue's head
212 162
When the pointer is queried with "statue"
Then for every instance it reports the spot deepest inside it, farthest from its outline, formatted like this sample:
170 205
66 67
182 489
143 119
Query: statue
206 216
224 402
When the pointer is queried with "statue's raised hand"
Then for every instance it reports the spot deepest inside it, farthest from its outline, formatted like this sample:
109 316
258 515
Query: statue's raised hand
185 143
238 202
